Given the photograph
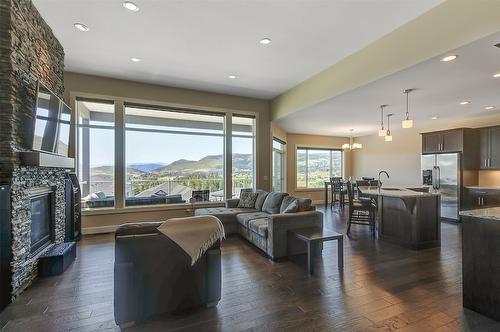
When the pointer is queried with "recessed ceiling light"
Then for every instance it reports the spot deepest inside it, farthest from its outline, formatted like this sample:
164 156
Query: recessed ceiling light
130 6
135 59
465 102
449 58
265 41
497 75
232 77
434 118
81 27
489 107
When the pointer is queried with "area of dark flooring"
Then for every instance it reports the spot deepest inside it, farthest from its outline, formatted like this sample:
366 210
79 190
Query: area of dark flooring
383 287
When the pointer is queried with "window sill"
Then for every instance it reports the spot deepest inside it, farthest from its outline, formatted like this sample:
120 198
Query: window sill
150 208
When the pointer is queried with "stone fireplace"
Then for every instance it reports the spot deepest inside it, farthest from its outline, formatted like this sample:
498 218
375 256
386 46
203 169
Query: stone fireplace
29 53
42 219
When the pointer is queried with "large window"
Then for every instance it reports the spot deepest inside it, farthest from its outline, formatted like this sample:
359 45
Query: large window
173 156
278 165
316 165
243 144
96 152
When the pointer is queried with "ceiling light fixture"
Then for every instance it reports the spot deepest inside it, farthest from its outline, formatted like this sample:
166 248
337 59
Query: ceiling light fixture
449 58
232 77
81 27
382 132
351 145
489 107
434 118
265 41
388 137
465 102
497 75
407 122
135 59
130 6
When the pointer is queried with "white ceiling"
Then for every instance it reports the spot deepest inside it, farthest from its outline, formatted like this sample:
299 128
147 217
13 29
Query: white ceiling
197 43
440 89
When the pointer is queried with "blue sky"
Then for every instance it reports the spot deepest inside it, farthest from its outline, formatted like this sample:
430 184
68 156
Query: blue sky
159 147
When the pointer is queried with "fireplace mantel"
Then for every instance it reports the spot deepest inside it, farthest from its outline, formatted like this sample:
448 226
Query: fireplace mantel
42 159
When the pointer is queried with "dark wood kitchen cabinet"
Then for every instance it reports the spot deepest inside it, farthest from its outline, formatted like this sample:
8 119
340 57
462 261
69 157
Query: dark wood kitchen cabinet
490 148
476 198
463 140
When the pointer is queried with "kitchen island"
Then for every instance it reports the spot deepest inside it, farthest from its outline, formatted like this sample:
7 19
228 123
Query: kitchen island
481 261
407 216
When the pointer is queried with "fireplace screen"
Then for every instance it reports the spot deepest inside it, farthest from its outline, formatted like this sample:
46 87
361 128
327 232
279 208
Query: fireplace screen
42 224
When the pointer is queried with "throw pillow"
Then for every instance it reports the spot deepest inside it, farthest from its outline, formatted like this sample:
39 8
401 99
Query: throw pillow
288 200
272 203
304 204
292 207
261 197
247 200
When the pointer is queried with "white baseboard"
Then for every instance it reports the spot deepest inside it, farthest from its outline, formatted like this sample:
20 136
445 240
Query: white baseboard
99 229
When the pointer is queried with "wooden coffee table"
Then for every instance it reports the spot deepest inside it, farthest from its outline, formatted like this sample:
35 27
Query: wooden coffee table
313 235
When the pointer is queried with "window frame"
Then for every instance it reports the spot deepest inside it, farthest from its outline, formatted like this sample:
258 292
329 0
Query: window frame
120 147
307 148
283 154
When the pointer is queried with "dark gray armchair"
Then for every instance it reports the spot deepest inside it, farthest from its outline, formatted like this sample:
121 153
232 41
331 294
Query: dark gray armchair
153 275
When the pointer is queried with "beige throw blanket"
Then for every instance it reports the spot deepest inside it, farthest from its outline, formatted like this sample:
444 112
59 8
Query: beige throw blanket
194 235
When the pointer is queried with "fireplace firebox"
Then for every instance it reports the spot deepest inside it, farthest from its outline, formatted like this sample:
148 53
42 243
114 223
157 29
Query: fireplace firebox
42 218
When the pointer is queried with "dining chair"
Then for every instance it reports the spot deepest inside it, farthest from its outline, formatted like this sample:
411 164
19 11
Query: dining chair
361 212
337 188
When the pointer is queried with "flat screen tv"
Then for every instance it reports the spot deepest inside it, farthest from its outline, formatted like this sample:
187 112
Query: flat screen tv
52 123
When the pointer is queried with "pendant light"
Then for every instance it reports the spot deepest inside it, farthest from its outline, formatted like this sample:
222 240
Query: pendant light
382 131
407 122
388 137
351 145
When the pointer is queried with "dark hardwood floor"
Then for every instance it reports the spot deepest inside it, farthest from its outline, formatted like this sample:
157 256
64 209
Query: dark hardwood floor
383 287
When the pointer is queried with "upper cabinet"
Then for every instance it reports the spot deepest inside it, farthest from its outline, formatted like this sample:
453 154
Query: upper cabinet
490 148
443 141
462 140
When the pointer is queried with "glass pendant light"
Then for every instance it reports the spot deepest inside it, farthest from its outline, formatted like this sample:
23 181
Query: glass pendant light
382 131
351 145
388 137
407 122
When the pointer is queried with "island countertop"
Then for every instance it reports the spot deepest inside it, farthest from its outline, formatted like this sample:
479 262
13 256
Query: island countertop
398 191
489 213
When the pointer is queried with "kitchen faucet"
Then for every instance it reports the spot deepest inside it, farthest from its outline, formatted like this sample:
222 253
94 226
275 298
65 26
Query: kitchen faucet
379 184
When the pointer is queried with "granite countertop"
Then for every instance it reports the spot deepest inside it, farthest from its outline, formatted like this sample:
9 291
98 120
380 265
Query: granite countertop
489 213
397 191
484 187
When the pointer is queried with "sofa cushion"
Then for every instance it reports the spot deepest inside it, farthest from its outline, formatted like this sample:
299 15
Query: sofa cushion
247 199
226 215
287 201
244 218
261 197
259 226
273 201
292 207
304 204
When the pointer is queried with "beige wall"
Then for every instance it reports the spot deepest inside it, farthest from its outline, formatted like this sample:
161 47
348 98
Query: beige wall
79 85
401 157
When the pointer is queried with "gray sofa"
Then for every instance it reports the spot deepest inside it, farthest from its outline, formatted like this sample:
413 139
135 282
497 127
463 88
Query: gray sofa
265 224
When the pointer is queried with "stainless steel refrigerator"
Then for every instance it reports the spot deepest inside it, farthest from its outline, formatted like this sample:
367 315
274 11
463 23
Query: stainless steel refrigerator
442 172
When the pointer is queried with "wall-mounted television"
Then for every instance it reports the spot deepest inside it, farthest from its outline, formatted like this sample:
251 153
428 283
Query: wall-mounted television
52 123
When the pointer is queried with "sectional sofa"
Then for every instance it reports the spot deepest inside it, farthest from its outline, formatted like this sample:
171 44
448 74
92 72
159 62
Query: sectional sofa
266 222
